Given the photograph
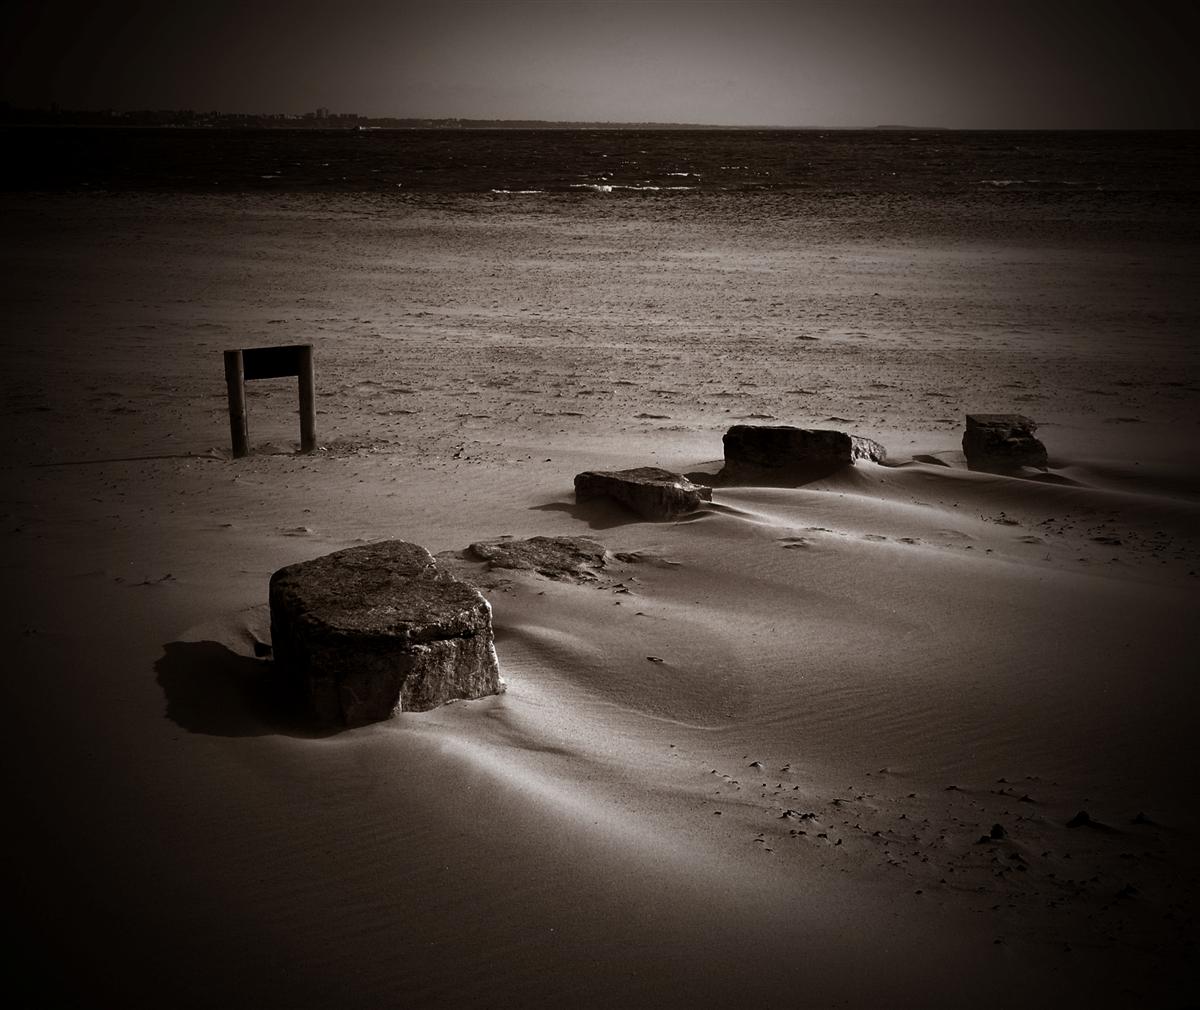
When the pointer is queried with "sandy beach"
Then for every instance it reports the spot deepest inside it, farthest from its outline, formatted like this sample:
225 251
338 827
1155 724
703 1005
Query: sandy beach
756 758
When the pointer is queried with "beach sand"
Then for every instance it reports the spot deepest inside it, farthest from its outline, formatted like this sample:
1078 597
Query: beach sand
755 761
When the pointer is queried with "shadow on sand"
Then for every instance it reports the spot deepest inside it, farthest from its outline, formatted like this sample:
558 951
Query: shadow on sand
597 513
605 514
778 477
212 690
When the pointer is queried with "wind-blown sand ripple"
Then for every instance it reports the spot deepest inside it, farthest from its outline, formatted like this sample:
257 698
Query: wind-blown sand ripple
722 772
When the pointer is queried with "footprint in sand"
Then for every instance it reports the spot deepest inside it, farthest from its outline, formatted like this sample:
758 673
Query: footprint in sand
791 543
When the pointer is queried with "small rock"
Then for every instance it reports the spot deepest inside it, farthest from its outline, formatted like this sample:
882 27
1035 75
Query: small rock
1081 819
651 492
1002 443
998 831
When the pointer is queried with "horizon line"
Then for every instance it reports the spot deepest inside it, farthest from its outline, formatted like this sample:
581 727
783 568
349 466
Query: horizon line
9 110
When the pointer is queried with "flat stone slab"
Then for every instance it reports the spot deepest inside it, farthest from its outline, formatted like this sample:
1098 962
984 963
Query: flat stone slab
377 629
651 492
785 447
564 559
1001 442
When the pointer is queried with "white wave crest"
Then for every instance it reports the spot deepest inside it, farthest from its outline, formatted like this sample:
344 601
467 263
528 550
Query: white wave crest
606 188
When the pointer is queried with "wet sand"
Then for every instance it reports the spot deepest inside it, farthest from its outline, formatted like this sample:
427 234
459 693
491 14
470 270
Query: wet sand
852 681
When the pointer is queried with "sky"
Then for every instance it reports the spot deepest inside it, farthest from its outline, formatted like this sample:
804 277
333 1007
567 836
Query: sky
1005 64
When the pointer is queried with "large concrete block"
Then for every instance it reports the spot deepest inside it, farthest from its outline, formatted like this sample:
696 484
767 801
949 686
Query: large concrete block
372 630
1000 442
786 447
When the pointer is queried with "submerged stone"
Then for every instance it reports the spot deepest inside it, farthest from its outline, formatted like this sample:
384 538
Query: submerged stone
786 447
1001 442
377 629
651 492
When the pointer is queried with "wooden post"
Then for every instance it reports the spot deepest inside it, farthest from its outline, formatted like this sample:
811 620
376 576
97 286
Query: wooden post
242 366
308 399
235 383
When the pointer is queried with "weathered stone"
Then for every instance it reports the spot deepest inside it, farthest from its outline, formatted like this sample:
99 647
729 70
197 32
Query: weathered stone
565 559
373 630
785 447
651 492
1002 442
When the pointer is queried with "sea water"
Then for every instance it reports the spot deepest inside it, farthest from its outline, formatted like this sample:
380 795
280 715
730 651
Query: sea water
1156 168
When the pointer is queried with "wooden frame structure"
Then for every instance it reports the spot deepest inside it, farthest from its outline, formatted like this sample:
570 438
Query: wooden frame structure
270 363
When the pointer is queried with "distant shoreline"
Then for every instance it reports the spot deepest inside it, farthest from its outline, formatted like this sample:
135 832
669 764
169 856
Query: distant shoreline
187 119
482 126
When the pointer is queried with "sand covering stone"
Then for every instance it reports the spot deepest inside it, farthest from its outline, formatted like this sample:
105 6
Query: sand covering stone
564 559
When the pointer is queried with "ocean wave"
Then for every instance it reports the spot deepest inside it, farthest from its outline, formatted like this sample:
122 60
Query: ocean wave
519 192
609 188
